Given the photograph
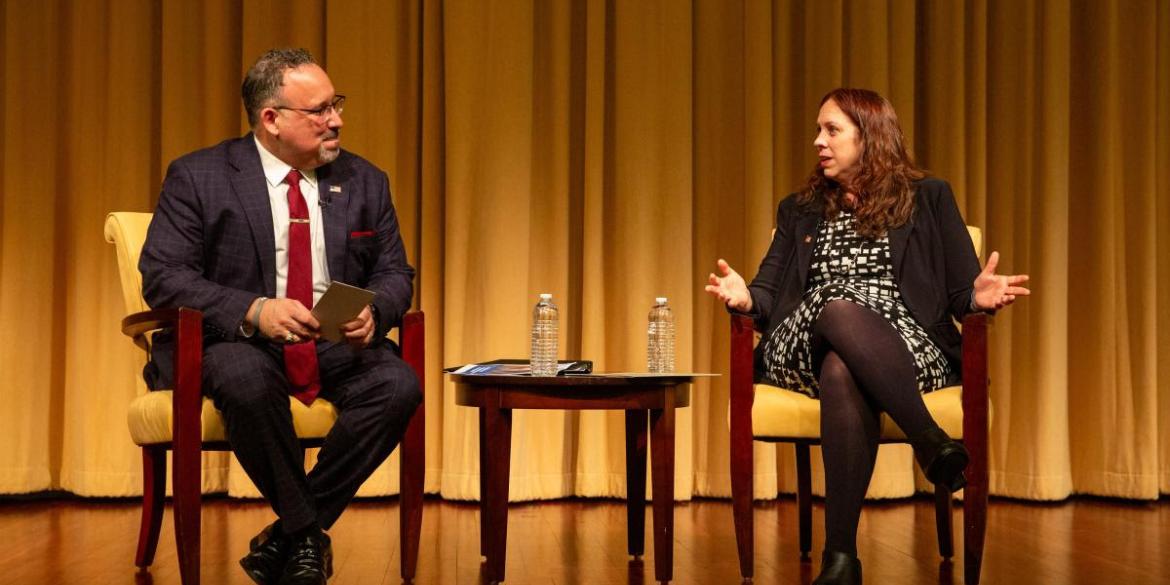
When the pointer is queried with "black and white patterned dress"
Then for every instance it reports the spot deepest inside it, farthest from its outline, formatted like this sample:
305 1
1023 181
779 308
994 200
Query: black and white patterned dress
847 266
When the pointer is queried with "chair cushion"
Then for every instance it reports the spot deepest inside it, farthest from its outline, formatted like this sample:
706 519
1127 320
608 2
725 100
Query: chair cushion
150 419
783 414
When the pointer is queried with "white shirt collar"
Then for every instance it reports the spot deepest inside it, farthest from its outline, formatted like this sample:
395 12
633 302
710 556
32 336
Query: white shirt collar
275 170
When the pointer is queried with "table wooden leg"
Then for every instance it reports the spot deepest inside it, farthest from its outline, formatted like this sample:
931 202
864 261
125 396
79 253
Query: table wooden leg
636 431
662 445
484 517
498 431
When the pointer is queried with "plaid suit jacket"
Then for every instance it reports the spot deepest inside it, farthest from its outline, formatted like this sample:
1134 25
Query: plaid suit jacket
210 245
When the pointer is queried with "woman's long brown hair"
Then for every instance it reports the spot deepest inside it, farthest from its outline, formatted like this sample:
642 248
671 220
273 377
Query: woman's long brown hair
883 175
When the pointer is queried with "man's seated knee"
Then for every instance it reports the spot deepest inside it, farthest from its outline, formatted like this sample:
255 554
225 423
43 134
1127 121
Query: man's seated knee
242 374
250 396
399 389
412 390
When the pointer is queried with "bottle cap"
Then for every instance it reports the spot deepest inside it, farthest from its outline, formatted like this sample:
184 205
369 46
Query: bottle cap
660 300
546 296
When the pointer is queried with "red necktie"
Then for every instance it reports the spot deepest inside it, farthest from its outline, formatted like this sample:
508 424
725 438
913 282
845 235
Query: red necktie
300 359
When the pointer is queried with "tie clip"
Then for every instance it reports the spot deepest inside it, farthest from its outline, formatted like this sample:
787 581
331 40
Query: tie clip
297 220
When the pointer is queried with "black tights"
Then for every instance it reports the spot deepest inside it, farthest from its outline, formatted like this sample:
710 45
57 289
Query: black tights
865 369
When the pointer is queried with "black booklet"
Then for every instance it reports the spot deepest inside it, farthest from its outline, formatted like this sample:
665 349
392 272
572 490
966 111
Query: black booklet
519 367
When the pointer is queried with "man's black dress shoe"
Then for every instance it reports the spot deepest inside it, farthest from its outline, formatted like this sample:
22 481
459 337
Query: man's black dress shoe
310 560
942 458
838 568
267 555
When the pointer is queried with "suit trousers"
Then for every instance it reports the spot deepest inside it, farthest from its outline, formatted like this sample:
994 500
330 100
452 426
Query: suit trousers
375 393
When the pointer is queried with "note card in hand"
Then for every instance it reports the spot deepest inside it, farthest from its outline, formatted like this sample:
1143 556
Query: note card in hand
340 304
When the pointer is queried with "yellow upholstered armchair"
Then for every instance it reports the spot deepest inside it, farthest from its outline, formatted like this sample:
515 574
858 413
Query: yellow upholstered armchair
760 412
183 421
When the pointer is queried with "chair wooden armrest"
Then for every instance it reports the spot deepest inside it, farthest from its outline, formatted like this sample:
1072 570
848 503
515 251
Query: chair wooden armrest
740 421
412 465
187 402
976 426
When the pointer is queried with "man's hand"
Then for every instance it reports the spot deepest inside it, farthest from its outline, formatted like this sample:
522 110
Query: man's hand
287 321
359 332
730 288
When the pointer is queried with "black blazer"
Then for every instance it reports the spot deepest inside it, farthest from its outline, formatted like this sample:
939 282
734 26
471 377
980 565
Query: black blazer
210 244
934 265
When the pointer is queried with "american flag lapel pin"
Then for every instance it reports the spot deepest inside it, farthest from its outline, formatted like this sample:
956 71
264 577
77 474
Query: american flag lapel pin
335 188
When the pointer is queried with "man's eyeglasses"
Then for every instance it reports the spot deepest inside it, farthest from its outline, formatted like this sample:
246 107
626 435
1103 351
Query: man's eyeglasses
322 113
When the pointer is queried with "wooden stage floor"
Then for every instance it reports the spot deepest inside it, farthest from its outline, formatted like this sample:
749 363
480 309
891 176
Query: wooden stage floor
578 542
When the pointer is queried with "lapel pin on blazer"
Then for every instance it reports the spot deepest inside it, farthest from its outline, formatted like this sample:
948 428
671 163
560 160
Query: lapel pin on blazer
807 239
327 198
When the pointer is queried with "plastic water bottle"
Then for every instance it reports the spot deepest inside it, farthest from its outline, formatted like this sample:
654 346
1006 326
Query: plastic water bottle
544 337
660 338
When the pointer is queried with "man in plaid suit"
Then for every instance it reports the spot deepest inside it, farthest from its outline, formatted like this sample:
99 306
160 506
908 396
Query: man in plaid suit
251 232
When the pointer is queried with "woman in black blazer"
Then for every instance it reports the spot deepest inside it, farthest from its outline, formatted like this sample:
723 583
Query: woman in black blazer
870 266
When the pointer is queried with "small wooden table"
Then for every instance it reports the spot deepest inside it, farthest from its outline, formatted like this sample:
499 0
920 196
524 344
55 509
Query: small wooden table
497 396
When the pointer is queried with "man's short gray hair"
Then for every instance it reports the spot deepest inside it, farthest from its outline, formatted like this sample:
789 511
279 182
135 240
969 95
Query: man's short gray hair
264 80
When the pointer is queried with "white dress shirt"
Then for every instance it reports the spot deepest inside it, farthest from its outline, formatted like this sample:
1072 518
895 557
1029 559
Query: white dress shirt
275 171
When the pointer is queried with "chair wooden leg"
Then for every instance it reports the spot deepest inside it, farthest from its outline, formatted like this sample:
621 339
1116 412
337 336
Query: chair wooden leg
974 514
943 518
742 494
975 525
186 486
637 426
154 486
804 497
412 467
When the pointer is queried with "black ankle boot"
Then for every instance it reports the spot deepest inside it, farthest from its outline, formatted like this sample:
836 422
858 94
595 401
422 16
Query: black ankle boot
838 568
942 458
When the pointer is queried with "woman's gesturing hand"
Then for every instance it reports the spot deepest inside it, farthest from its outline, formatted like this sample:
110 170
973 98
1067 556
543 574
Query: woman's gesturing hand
996 291
730 288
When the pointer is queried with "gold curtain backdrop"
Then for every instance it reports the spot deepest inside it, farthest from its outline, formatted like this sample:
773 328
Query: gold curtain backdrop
609 151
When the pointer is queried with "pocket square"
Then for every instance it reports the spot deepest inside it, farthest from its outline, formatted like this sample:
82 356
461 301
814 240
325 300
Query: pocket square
361 234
